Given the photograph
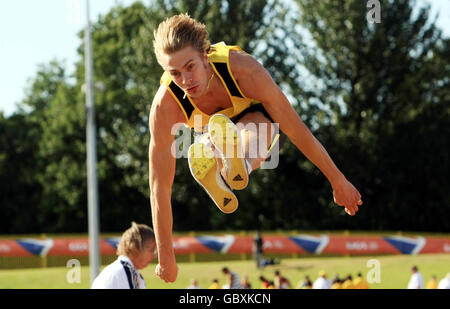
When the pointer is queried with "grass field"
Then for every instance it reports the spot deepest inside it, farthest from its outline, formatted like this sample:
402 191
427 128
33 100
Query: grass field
394 272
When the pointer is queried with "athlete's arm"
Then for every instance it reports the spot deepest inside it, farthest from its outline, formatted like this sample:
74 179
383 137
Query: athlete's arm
257 83
164 115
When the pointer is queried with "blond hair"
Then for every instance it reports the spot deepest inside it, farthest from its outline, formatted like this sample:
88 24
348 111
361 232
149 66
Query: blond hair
134 239
178 32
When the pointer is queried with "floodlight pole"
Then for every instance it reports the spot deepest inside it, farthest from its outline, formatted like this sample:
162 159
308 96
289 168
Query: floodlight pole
91 160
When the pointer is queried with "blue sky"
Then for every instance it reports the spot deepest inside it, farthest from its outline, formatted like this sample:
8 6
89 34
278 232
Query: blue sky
35 32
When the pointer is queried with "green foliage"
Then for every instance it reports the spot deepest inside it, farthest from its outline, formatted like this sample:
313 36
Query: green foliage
376 96
20 193
62 161
383 86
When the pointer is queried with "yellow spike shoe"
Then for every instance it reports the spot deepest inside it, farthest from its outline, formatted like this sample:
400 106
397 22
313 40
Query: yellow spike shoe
225 137
205 170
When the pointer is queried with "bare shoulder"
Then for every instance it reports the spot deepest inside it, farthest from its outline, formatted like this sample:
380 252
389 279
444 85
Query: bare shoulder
165 108
243 64
253 79
164 113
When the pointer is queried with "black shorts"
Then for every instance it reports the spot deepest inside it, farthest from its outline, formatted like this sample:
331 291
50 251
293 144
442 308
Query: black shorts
253 109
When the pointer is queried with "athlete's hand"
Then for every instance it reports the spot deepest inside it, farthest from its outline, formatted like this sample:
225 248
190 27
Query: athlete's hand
346 195
167 272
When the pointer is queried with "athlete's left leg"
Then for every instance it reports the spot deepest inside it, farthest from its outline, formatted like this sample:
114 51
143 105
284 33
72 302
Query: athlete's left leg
244 145
257 134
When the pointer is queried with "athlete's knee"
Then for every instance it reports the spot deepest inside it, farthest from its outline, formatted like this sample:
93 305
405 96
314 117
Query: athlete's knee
254 117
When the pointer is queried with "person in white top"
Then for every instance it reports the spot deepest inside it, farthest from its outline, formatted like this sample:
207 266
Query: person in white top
194 284
322 282
445 282
135 251
416 281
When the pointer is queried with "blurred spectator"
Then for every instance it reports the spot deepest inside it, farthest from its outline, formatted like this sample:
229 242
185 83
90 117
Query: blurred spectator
215 285
416 281
194 284
281 282
432 284
360 282
336 284
308 284
265 283
245 283
135 251
348 283
305 284
445 283
233 278
322 282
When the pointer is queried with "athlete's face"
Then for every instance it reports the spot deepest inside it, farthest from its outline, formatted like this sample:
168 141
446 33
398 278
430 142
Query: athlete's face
188 69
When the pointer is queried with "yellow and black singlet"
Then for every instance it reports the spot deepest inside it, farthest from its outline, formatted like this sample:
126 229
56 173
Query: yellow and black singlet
219 58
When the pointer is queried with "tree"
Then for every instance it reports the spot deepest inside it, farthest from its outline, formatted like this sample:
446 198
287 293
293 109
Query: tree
20 192
375 81
51 158
62 159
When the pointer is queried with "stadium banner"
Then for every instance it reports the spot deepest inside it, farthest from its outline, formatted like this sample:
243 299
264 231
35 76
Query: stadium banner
10 247
239 244
79 247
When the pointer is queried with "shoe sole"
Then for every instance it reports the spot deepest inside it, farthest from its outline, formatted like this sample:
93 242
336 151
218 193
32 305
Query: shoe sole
225 137
205 170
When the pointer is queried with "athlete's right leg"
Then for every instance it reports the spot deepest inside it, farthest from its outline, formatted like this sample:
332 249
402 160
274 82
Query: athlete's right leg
244 146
